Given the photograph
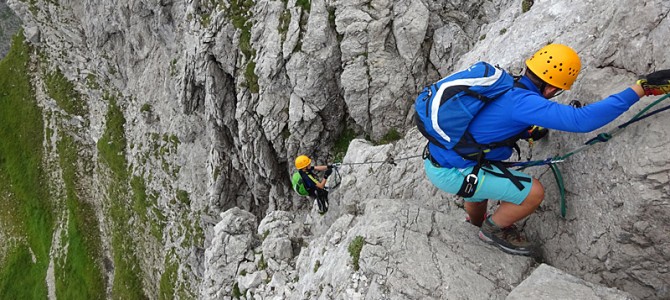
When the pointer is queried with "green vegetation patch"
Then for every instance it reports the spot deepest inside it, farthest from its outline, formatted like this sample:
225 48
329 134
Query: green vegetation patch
32 7
239 12
146 209
92 82
78 274
158 225
251 77
284 21
526 5
285 133
193 234
173 67
146 107
205 19
355 248
342 143
161 148
111 148
168 280
236 293
24 200
217 172
305 4
63 91
183 197
317 264
112 144
262 265
141 203
391 136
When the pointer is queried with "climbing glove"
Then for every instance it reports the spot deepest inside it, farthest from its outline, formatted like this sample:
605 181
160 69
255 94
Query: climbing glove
328 172
656 83
536 133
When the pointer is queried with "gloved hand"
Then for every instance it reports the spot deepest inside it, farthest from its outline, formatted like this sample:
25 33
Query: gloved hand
331 166
656 83
536 133
328 172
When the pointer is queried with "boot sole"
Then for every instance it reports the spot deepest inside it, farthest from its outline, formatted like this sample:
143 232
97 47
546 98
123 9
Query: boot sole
508 250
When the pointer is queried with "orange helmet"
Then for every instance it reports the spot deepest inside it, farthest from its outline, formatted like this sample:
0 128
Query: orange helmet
302 162
555 64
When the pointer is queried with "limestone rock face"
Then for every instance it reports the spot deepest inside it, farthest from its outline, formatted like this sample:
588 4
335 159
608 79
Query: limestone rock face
232 237
218 97
547 282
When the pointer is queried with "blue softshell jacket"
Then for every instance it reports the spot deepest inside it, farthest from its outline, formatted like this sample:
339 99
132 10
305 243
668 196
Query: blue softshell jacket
519 108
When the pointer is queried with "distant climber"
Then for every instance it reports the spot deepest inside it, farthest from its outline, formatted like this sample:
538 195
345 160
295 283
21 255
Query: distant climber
305 182
549 72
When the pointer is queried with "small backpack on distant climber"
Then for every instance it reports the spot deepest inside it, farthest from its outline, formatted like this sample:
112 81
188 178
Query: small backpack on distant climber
298 184
445 109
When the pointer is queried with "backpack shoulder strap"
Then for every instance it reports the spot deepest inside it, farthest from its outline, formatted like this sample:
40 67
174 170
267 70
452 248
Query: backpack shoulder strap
517 82
310 176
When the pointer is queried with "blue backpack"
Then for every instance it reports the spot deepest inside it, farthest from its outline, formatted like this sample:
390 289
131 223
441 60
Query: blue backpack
445 109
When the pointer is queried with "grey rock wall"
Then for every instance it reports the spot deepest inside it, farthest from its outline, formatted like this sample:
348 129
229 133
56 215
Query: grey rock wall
9 25
547 282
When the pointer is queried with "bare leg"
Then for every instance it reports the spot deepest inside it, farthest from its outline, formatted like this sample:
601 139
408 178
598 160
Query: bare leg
476 211
509 213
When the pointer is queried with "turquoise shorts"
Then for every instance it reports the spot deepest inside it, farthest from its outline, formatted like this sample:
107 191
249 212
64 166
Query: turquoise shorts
489 187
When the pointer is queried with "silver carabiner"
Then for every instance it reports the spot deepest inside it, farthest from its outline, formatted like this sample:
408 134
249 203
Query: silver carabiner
471 177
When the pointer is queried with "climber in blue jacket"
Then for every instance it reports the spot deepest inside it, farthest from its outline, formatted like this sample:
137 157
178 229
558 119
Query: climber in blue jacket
548 73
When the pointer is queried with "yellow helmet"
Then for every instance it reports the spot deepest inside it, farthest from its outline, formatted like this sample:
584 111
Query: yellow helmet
302 162
555 64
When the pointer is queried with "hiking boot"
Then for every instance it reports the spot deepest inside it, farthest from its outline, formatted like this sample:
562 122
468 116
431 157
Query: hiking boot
508 239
